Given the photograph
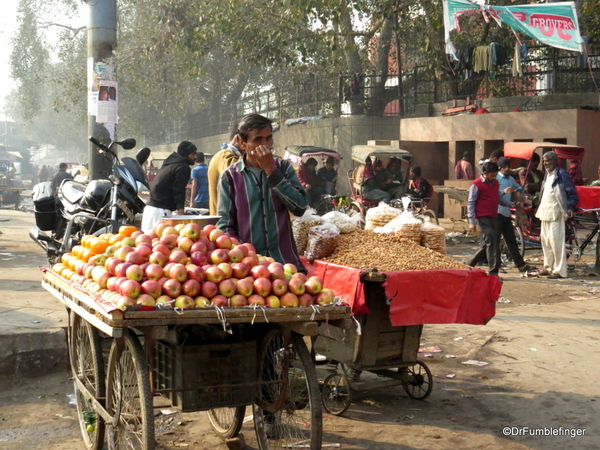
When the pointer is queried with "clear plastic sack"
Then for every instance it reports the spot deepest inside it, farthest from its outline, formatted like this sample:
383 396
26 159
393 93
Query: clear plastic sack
433 237
322 241
345 223
301 225
380 216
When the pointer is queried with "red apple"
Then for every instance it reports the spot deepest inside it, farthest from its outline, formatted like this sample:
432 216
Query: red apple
167 269
184 302
238 300
169 240
143 238
235 255
170 230
130 288
162 248
306 300
198 258
243 249
111 284
123 302
279 287
159 228
207 229
158 258
134 272
195 273
146 300
179 257
121 269
256 299
151 287
219 255
223 241
249 247
172 288
209 289
220 301
289 300
122 252
98 260
300 276
143 249
198 246
162 281
296 286
154 272
240 270
227 288
290 268
245 287
214 274
164 300
119 282
226 268
191 288
215 234
134 258
272 301
250 261
313 285
178 272
262 286
325 297
192 230
110 250
111 264
185 243
260 272
277 272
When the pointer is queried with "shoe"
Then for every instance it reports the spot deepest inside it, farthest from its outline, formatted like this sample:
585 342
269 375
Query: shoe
544 273
526 268
554 276
502 271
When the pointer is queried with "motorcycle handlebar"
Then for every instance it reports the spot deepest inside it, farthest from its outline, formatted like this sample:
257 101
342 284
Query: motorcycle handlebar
101 146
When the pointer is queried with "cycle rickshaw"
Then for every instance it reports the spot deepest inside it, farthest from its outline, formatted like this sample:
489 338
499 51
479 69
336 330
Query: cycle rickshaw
384 153
299 154
528 235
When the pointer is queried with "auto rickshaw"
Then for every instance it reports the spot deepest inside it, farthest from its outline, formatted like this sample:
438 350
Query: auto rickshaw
299 154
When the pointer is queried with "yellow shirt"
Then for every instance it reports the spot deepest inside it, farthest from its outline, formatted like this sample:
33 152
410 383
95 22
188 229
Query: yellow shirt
218 163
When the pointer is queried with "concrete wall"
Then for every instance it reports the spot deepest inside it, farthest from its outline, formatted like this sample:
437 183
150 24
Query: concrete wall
339 134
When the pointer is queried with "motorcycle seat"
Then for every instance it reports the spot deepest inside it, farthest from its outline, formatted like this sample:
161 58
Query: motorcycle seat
72 191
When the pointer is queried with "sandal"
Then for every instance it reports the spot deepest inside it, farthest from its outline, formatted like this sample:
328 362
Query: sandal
544 273
526 268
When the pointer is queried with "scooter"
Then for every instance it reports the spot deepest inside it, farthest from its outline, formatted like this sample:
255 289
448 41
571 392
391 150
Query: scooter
96 207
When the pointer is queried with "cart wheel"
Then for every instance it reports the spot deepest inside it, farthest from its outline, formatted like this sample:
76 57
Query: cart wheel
422 383
227 422
337 394
129 399
299 421
88 369
427 213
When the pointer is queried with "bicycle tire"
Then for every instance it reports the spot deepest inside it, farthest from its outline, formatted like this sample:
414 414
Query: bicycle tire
227 422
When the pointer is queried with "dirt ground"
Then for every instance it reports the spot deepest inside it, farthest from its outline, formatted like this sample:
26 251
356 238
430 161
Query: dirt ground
540 372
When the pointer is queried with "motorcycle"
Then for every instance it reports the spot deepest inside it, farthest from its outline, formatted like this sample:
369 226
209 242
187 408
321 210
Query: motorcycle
96 207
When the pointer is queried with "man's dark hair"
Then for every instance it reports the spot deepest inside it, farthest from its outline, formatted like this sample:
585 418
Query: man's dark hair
185 148
416 170
497 154
535 158
330 160
252 122
235 130
311 161
466 154
490 167
199 157
62 166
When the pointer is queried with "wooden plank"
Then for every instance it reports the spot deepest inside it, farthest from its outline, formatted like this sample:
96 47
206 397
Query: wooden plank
303 328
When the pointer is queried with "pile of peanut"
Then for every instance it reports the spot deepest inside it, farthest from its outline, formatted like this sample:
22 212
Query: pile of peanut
367 250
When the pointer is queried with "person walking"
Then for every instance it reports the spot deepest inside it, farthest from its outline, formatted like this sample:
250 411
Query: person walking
200 183
558 200
168 189
43 174
258 193
509 187
463 169
60 176
482 209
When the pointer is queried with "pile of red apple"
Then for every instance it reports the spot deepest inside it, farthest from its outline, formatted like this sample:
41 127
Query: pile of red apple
187 266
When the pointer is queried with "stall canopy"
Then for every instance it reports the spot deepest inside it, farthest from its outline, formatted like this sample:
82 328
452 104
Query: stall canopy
554 24
525 150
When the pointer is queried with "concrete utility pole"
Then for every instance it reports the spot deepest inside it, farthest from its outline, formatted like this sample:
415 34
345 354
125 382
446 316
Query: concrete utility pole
102 40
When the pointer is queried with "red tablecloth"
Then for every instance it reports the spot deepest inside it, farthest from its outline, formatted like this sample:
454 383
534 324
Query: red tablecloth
589 197
420 297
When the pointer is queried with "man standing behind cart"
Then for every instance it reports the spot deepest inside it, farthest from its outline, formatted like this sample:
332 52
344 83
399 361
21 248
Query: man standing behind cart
229 154
482 209
558 200
257 193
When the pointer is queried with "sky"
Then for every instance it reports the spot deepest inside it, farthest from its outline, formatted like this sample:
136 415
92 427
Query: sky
8 27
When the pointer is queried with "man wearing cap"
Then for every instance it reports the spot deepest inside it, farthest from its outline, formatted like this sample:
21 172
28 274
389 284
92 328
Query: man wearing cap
167 190
508 186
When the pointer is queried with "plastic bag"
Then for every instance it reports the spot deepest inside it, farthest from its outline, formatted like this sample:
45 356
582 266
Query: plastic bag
406 225
380 216
301 225
434 237
346 224
322 240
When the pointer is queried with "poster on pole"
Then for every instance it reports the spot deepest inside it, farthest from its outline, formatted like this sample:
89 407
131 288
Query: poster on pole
107 102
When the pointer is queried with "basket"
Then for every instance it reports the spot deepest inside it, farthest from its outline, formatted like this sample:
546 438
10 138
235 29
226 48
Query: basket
202 377
200 220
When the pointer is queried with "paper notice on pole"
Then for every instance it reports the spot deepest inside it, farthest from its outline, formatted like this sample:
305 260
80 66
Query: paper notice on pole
107 110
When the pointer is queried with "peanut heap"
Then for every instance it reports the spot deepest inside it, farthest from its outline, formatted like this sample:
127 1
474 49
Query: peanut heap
367 250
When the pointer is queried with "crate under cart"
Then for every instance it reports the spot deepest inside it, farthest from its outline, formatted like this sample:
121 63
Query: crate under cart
202 377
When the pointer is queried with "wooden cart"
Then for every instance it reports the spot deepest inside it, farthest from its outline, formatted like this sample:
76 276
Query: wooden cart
372 345
263 361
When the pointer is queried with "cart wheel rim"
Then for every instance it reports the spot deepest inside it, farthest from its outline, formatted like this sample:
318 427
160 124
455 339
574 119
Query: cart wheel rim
336 394
421 384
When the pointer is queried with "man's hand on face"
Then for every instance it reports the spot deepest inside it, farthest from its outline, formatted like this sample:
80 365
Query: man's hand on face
264 158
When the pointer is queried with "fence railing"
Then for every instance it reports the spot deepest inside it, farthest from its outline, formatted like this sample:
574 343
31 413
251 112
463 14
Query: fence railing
545 71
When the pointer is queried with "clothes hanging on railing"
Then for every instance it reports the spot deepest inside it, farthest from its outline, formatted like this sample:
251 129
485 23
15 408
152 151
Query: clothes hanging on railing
517 67
481 59
582 58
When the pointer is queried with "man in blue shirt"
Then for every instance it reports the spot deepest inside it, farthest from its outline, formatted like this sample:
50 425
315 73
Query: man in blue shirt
200 183
508 186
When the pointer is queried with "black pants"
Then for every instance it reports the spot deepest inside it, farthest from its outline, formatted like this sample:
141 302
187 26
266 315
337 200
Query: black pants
507 230
491 234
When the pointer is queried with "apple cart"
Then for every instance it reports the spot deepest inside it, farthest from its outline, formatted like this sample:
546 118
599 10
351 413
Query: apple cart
241 356
390 310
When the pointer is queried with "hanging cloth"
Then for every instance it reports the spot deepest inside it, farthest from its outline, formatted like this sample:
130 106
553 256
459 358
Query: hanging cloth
481 59
517 67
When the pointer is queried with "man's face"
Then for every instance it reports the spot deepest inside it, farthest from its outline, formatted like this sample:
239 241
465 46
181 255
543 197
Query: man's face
412 176
504 170
256 138
191 158
549 164
490 176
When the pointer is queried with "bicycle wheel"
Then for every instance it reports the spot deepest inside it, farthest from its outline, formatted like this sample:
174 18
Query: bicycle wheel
421 384
129 399
298 421
227 422
337 394
88 368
